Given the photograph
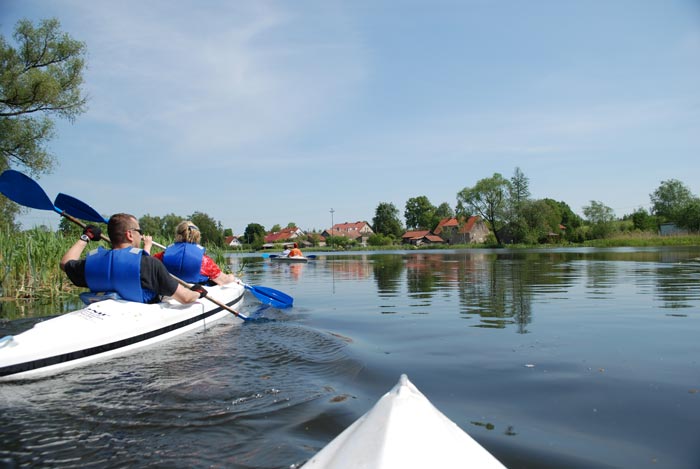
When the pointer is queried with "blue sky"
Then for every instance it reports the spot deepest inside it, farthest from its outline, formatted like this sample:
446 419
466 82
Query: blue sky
277 111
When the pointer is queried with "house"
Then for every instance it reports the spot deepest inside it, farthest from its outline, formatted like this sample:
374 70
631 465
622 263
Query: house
473 231
421 237
450 230
232 241
283 235
359 231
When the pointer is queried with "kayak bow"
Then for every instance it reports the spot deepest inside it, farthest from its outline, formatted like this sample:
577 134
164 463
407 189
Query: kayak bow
403 430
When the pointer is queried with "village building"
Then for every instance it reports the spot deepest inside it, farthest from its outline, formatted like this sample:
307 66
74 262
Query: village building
233 242
359 231
450 231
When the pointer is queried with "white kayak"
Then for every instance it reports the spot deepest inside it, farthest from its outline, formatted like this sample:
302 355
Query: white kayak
289 259
403 430
107 328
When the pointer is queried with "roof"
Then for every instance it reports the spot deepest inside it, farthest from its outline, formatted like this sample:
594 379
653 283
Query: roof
415 234
347 234
281 235
446 223
469 225
356 226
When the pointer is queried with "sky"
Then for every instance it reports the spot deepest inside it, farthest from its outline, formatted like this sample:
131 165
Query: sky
276 112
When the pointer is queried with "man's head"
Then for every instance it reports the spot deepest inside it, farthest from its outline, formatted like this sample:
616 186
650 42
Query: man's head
123 229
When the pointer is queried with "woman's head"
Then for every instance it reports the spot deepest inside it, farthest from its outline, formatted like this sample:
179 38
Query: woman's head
187 232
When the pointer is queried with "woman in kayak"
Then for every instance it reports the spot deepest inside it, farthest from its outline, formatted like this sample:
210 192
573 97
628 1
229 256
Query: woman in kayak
186 259
125 269
295 251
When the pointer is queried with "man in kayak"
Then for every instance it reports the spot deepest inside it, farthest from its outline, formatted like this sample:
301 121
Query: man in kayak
296 252
186 259
125 269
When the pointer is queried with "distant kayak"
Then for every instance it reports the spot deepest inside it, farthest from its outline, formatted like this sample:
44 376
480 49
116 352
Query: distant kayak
403 430
274 258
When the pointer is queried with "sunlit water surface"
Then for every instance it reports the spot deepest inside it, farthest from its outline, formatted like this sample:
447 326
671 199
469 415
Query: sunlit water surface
549 358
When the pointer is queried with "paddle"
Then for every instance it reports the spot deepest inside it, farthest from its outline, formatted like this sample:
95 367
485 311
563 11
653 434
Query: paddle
81 210
25 191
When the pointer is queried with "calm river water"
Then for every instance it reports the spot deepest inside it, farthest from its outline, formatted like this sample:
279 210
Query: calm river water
555 358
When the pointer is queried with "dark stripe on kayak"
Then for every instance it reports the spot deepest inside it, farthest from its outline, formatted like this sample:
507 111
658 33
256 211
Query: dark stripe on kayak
78 354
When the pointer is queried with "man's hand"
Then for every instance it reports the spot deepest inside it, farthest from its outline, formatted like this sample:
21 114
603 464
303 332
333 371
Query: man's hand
197 287
91 233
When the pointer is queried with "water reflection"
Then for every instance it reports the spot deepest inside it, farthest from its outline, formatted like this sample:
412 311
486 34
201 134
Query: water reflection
500 286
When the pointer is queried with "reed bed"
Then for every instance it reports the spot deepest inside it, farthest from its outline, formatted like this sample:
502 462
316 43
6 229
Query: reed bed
29 265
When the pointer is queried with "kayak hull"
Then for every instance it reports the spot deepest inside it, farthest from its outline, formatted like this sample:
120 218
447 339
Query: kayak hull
403 430
106 329
289 259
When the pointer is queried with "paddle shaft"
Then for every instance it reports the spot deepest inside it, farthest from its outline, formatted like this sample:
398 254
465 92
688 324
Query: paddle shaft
180 281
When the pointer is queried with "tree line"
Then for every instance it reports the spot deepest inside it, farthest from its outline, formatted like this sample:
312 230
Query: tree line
514 217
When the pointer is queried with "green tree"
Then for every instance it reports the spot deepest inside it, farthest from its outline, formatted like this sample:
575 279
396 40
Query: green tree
689 215
169 225
153 226
39 79
542 218
378 239
443 211
669 199
8 211
601 217
642 220
419 213
275 228
70 229
519 188
386 220
254 235
488 199
211 230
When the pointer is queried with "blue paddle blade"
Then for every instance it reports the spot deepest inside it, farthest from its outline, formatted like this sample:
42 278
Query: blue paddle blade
78 209
24 190
271 296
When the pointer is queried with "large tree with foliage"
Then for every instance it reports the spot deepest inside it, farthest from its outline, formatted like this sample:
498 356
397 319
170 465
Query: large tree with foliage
211 230
254 235
669 200
443 211
519 188
386 220
601 217
40 79
419 213
689 215
488 199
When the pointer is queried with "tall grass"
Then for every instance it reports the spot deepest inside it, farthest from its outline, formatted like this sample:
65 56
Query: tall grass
29 264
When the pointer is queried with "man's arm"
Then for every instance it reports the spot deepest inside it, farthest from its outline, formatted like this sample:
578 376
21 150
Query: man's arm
185 295
73 253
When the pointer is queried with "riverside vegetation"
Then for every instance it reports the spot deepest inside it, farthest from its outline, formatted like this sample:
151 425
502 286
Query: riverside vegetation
29 260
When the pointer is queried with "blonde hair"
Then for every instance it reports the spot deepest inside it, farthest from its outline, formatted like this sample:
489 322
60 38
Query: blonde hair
187 232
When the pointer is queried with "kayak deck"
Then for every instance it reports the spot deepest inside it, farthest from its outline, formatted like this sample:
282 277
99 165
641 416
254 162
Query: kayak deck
403 430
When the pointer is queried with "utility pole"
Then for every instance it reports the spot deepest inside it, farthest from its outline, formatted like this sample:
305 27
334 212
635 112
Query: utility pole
332 224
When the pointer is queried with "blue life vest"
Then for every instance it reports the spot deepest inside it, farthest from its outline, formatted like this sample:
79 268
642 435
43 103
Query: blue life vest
117 270
184 260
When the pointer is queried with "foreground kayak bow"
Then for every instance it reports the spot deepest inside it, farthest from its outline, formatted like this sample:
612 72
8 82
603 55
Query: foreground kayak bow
403 430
